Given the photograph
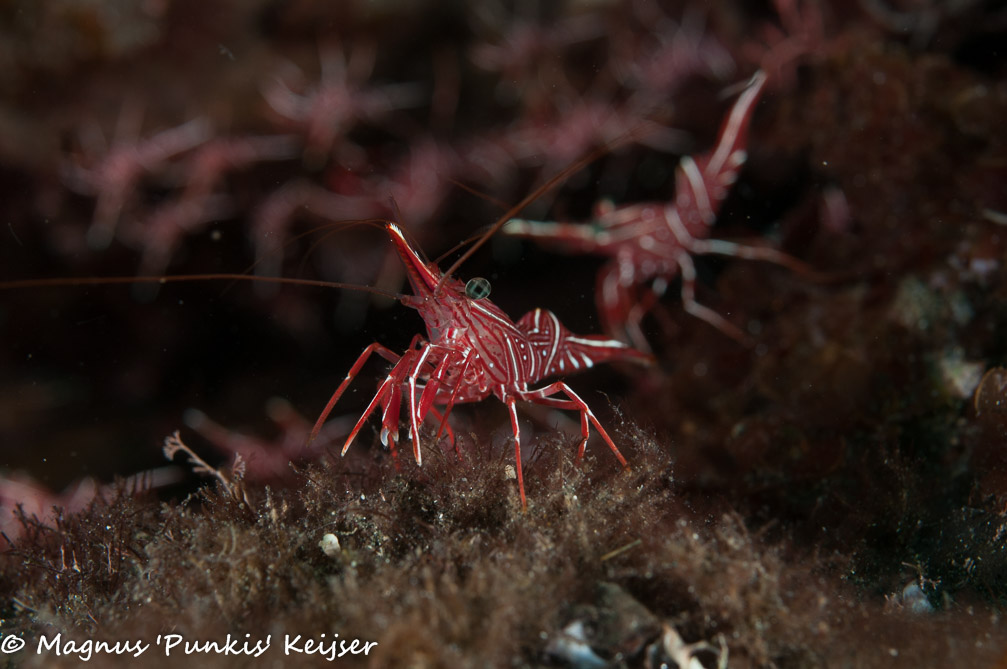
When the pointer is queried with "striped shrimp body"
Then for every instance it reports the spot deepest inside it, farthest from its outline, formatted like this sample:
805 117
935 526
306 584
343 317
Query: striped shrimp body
471 349
650 243
474 350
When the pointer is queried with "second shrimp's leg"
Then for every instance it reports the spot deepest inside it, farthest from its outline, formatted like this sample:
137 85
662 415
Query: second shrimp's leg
567 405
384 352
764 253
512 408
622 307
389 395
445 428
415 420
735 250
419 407
449 362
575 403
698 310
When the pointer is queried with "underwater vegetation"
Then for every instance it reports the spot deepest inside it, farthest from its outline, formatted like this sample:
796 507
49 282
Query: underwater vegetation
820 482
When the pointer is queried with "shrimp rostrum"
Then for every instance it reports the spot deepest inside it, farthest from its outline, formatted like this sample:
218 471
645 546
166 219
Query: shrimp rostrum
473 350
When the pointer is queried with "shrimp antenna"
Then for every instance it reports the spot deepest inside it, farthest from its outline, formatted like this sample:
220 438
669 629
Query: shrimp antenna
232 277
178 278
500 204
478 193
278 248
330 229
553 181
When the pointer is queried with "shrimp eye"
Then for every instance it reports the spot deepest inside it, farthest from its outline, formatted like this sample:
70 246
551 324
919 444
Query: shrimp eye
477 288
